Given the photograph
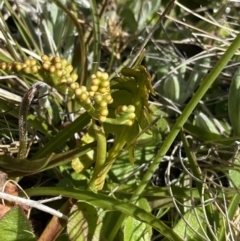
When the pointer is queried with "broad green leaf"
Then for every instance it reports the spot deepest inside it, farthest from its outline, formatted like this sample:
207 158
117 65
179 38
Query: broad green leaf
188 227
205 123
137 12
128 19
85 223
136 230
55 12
172 88
109 222
201 67
200 133
15 226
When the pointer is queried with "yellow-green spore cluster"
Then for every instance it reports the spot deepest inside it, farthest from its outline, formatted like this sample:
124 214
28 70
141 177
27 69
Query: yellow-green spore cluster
53 70
126 114
61 71
96 98
29 66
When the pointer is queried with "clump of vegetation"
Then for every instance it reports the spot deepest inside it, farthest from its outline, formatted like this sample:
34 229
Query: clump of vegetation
126 119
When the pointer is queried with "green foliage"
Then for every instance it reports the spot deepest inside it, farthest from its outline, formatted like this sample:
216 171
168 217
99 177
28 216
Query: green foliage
84 223
136 14
15 226
77 113
111 204
193 231
136 230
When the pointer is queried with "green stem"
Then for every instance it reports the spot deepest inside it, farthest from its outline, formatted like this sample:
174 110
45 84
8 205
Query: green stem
206 84
100 155
112 155
123 136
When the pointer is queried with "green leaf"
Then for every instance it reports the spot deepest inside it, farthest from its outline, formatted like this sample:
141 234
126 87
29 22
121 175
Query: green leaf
109 221
15 226
54 13
172 88
234 173
136 230
188 228
205 123
201 133
84 223
129 19
136 13
121 170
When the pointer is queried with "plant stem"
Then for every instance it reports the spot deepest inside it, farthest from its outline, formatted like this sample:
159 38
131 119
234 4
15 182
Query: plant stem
100 155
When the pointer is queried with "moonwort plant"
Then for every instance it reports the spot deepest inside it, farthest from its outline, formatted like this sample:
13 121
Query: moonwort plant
118 107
